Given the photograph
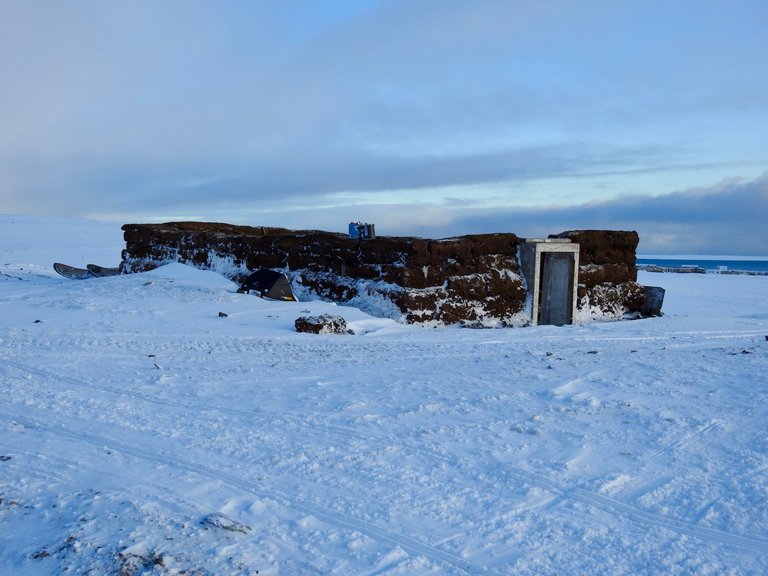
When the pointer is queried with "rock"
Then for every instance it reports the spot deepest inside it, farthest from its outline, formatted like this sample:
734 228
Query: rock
653 301
324 324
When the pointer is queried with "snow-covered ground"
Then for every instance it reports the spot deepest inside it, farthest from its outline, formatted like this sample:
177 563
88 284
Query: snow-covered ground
143 433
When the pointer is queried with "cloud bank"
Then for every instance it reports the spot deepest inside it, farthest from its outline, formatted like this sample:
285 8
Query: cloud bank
728 218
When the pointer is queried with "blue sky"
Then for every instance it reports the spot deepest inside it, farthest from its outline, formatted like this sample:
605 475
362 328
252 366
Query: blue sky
427 117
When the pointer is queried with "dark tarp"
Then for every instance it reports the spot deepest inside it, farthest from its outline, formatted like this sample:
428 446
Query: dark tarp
268 284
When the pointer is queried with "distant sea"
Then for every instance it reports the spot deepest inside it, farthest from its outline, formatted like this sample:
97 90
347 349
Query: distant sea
710 264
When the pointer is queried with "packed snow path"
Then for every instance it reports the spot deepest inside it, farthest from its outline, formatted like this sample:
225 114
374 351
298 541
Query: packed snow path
142 432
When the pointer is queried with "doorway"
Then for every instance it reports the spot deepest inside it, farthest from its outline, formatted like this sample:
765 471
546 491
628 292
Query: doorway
556 296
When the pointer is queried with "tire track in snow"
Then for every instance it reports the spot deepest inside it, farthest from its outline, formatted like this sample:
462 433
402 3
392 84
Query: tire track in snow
712 425
605 503
335 518
345 433
618 508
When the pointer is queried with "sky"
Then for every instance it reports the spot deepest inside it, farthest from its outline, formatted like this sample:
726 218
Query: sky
428 118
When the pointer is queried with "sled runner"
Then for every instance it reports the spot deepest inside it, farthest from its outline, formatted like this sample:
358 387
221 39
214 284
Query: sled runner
91 271
101 271
71 272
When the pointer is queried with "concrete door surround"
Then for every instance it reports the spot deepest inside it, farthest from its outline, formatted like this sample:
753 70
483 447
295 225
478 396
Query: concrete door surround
551 269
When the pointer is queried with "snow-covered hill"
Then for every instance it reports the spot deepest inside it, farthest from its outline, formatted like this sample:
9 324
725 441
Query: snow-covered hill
141 432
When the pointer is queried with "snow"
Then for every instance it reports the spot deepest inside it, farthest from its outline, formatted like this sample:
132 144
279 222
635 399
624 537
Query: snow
141 432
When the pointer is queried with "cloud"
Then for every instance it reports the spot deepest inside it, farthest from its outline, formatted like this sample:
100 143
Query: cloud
320 175
727 218
190 80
